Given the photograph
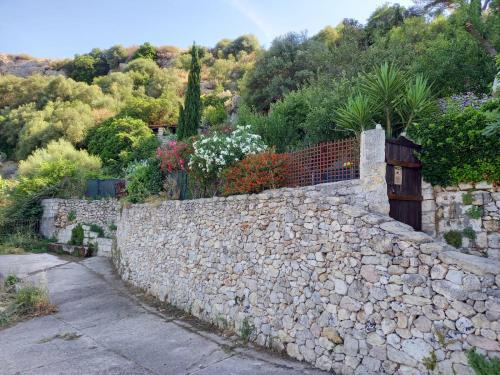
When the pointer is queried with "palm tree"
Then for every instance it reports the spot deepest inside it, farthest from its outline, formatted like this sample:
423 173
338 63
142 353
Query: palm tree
356 115
417 101
384 88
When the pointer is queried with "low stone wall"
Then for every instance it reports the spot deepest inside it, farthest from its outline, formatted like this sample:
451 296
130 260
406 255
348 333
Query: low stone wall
60 216
448 209
326 281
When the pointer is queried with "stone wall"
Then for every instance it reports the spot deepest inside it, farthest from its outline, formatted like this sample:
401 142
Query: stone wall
57 221
323 280
448 209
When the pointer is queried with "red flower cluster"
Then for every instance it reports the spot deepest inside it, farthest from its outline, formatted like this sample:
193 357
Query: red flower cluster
256 173
173 156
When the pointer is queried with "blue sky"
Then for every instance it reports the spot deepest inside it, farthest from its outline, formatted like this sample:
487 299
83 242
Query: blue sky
61 28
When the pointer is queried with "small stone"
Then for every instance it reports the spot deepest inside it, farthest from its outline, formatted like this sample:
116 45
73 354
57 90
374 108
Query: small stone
463 309
454 276
416 348
350 345
332 334
400 357
413 280
448 289
471 282
388 326
483 343
369 273
350 304
374 339
464 325
324 363
340 286
423 324
293 351
438 272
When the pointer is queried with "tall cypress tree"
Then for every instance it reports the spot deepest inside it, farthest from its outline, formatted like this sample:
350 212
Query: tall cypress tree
190 116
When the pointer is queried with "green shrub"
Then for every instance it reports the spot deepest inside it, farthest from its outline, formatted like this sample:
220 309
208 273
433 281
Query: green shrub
144 179
482 365
11 280
474 212
469 233
97 229
145 51
33 301
453 238
83 68
77 236
455 149
72 215
467 199
119 141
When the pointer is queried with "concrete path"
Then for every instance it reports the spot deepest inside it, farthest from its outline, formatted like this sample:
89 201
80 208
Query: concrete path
103 328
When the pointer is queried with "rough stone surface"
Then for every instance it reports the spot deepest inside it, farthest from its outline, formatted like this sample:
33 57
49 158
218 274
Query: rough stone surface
337 286
446 209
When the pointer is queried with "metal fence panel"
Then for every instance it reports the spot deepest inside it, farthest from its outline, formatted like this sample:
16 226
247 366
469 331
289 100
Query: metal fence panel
326 162
110 188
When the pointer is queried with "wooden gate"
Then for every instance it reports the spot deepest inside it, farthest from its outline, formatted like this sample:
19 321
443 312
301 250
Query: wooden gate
404 181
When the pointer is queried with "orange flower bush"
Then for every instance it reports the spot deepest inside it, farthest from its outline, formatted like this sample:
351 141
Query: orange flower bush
256 173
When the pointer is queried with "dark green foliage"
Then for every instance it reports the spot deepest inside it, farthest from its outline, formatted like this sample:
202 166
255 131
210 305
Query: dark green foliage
482 365
115 55
281 69
11 280
119 141
453 238
83 69
77 236
143 180
97 229
455 149
467 199
430 362
72 215
191 113
145 51
474 212
244 43
469 233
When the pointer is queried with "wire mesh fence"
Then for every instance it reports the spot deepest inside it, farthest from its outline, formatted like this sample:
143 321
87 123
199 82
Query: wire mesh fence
326 162
19 227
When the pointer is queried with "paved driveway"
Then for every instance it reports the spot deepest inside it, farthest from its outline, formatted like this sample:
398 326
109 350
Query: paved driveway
103 328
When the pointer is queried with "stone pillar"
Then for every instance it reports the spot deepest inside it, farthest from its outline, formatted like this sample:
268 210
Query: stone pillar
47 223
372 170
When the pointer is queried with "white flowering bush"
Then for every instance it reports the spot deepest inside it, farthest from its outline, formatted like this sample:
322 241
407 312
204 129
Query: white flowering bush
213 154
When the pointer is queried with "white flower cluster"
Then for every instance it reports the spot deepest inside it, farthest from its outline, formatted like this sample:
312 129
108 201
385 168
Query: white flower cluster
212 154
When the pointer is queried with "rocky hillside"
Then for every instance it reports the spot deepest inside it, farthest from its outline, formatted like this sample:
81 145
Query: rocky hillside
23 65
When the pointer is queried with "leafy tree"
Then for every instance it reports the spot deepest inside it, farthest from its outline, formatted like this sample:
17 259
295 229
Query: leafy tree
115 55
117 84
191 113
470 14
119 141
66 120
145 51
246 43
279 70
455 149
144 179
83 68
153 111
78 161
385 18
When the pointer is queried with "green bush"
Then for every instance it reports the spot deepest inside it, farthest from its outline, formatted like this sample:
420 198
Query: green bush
77 236
97 229
467 199
453 238
469 233
121 140
145 51
474 212
144 179
482 365
455 149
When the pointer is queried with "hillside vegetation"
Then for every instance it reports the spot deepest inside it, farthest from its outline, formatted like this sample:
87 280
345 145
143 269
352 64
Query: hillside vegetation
97 107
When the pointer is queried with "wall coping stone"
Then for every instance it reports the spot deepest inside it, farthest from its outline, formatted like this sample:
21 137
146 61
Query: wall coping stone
472 263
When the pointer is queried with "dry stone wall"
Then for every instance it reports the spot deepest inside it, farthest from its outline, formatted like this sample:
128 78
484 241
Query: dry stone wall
449 209
319 278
